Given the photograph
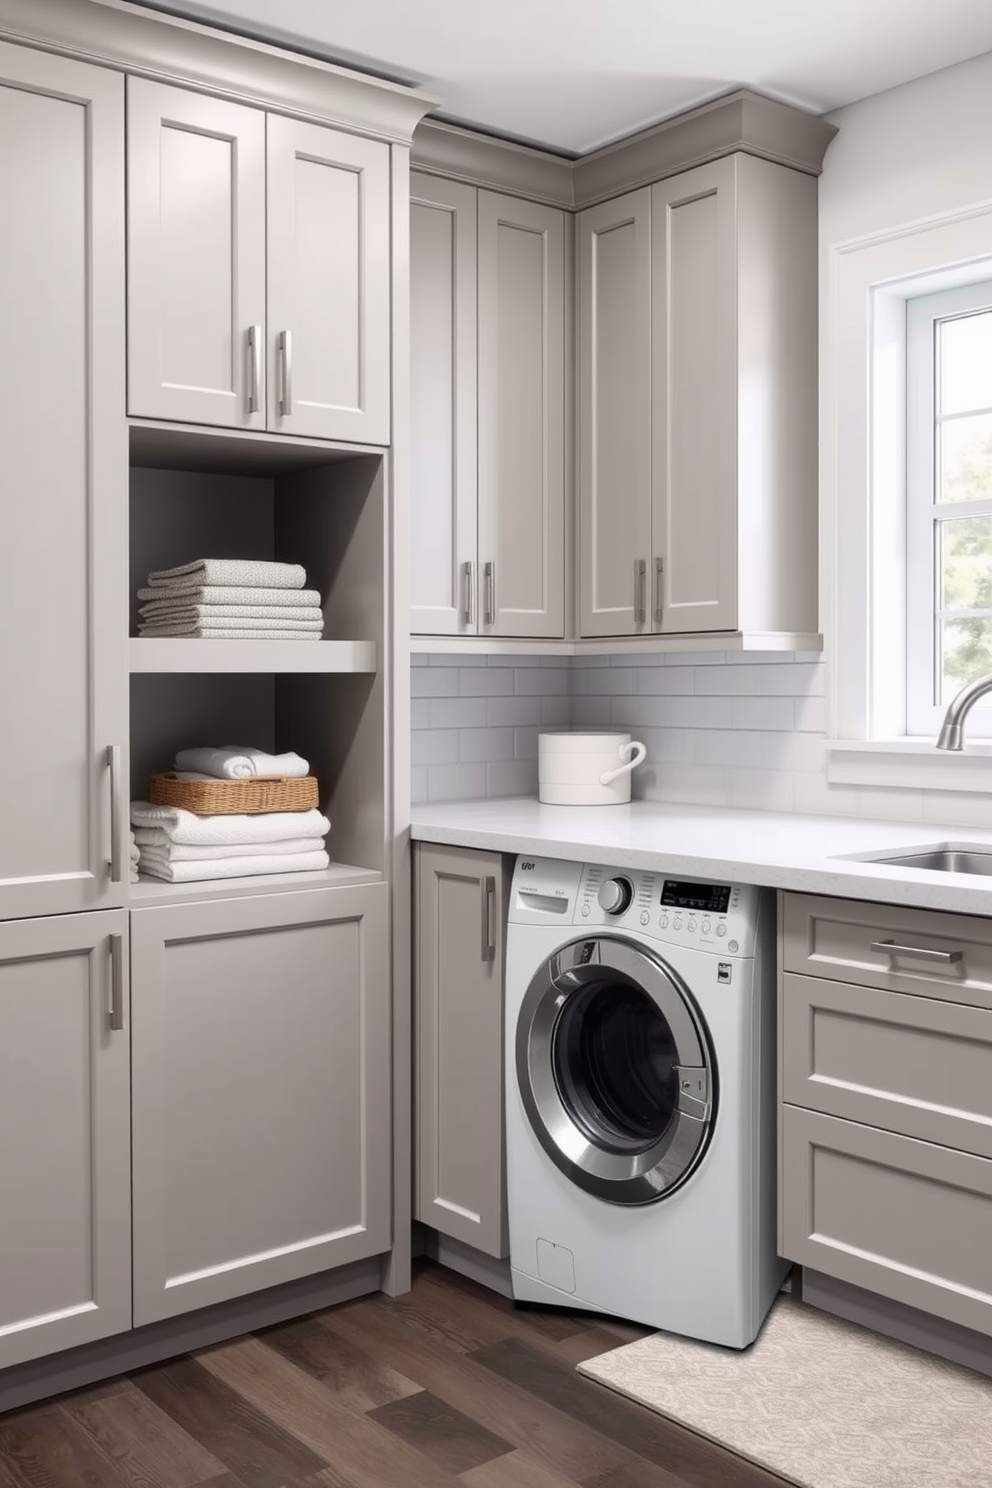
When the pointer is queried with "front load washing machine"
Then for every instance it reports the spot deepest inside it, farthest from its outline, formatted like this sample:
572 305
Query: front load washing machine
640 1097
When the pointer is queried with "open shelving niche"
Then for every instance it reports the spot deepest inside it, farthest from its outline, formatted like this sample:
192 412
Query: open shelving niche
198 493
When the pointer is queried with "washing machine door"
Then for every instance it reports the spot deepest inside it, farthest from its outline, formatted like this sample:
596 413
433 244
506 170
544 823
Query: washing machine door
615 1070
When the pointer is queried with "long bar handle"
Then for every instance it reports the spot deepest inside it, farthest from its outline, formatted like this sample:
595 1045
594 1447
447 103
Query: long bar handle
489 919
640 590
116 983
489 574
286 366
659 590
922 953
254 366
114 764
468 579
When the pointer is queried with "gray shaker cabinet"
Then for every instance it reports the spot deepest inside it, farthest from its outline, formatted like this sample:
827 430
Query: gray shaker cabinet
258 269
63 441
488 413
459 955
261 1062
697 405
885 1071
65 1149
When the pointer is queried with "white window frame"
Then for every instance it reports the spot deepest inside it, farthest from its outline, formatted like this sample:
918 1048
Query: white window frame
866 285
924 511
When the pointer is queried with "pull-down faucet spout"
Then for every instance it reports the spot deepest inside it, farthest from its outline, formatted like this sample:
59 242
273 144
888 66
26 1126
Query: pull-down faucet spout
951 734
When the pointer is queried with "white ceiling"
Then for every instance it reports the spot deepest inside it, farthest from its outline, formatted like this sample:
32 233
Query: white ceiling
575 74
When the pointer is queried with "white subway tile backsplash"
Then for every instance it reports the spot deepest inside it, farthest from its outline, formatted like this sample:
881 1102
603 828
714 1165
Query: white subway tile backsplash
511 778
664 681
487 682
701 712
506 711
728 747
803 679
434 746
456 782
458 712
720 729
484 744
762 713
433 682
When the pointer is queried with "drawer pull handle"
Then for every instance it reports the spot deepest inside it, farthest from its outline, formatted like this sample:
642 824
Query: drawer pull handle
922 953
489 919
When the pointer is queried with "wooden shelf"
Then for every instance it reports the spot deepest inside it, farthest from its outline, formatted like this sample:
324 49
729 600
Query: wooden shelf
149 891
194 654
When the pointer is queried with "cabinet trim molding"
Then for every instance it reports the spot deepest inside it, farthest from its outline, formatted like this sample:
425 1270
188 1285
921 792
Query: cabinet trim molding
194 55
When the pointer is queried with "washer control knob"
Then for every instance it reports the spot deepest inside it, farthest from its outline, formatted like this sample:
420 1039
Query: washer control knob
721 928
615 895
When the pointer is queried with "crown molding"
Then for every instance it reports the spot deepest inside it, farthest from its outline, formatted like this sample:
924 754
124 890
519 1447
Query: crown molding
741 121
485 160
131 38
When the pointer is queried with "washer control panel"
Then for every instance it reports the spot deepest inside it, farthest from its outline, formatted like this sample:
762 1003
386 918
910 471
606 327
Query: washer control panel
708 914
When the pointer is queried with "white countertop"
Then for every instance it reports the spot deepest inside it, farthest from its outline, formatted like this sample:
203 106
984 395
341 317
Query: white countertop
779 849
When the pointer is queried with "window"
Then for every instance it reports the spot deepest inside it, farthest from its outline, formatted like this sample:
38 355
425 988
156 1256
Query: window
948 502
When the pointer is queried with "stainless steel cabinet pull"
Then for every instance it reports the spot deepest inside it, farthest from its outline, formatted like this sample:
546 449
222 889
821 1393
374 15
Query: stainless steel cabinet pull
640 590
489 574
116 983
659 589
114 764
489 919
922 953
254 366
286 372
468 576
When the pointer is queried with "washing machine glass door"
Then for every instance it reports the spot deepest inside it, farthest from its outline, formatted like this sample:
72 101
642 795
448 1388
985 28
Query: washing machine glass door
615 1070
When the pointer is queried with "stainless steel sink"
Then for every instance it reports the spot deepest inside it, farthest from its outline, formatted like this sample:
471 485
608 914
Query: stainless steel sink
943 859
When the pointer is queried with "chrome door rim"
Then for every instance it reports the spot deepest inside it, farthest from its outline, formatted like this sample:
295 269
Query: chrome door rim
620 1178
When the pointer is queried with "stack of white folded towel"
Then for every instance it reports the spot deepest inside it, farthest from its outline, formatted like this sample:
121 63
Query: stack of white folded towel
181 847
237 762
135 855
231 599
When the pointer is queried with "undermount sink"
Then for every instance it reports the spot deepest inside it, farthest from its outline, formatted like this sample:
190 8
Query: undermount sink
943 859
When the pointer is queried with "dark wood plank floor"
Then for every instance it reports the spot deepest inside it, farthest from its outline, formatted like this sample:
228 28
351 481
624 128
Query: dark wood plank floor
447 1385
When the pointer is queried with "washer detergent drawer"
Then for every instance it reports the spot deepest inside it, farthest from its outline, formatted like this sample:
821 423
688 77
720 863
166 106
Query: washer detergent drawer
905 1219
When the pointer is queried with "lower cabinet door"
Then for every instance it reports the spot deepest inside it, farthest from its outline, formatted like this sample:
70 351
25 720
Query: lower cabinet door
905 1219
460 1179
65 1168
261 1127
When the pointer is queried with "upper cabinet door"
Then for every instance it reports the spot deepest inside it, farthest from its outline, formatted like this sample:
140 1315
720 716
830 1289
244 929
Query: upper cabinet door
63 663
443 390
694 377
614 288
521 417
328 283
196 257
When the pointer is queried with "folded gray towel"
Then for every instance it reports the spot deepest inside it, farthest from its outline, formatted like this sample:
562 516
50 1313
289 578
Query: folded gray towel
244 571
175 613
211 633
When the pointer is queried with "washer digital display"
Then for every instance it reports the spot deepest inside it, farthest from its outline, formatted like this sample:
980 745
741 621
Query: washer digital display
713 898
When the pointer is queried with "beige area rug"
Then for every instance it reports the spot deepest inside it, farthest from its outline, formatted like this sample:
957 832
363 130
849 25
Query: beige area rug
818 1400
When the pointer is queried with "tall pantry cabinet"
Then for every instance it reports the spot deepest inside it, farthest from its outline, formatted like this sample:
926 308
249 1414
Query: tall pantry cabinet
203 1085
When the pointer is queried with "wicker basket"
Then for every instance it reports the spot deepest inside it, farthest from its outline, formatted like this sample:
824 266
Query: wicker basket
255 794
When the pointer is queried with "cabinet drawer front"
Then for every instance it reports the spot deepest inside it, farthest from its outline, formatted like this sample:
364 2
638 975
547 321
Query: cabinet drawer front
909 1064
901 1218
844 940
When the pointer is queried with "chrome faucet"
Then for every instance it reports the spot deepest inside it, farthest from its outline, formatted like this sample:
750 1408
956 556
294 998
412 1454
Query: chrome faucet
951 734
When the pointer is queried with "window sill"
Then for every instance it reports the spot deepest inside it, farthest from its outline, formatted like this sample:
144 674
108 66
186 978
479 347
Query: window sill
910 764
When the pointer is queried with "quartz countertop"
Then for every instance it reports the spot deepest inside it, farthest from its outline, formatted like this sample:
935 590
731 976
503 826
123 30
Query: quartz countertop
812 854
